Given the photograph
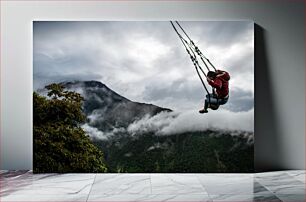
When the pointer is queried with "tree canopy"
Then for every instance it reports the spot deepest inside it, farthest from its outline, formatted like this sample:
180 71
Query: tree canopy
60 144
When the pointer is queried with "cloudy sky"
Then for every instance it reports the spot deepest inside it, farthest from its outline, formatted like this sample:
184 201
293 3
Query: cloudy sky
145 61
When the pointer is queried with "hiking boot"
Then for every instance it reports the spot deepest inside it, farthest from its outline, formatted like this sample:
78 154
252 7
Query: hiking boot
202 111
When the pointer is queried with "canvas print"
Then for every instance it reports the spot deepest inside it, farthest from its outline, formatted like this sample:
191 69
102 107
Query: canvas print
143 96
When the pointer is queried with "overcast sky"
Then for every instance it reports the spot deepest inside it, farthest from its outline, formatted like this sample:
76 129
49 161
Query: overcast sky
145 61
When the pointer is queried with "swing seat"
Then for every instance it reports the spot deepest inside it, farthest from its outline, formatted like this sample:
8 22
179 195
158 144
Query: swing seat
214 107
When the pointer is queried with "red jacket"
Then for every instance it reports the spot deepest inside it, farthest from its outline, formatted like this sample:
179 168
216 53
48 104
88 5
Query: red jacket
220 83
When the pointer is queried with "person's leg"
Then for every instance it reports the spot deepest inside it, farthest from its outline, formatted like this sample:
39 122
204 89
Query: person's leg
206 104
210 99
213 103
204 110
222 101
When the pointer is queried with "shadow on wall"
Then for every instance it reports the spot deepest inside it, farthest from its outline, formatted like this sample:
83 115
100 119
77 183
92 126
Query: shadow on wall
267 144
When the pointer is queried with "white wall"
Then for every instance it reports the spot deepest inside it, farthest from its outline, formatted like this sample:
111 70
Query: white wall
280 62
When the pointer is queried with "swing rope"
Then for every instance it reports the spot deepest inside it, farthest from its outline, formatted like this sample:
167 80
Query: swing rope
192 55
197 50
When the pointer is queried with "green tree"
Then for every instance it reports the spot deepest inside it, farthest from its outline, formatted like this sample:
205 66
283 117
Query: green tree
60 144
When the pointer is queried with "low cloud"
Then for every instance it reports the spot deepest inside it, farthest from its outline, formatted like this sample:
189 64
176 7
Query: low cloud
190 121
95 133
169 123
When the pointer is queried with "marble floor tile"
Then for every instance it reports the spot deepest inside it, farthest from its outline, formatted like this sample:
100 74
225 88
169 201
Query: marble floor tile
287 189
48 184
265 198
281 183
150 198
286 186
113 184
15 180
176 184
245 198
271 173
295 171
14 174
43 198
260 190
231 198
297 174
274 175
291 197
217 184
262 194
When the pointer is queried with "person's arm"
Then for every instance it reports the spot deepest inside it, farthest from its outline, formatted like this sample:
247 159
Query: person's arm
220 73
217 83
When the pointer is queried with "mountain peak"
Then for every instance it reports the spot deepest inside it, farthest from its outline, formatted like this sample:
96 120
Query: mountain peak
91 83
107 109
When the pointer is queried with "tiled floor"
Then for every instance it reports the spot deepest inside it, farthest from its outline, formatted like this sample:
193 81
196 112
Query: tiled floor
272 186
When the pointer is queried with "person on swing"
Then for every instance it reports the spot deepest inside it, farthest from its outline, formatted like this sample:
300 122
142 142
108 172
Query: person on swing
219 81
